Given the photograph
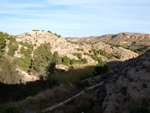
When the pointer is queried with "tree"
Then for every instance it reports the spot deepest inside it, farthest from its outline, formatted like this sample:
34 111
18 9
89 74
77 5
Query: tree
56 58
42 58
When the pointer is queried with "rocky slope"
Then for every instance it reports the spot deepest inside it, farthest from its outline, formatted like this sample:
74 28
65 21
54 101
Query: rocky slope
64 47
125 90
128 86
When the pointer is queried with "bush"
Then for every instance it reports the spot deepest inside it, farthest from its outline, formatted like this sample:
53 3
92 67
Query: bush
118 56
73 61
84 60
23 63
80 49
95 57
101 67
26 44
79 55
27 52
104 53
49 31
12 48
66 60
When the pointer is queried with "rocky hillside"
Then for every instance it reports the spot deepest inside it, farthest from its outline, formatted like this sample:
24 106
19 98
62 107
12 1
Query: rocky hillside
125 90
32 52
134 40
64 47
128 89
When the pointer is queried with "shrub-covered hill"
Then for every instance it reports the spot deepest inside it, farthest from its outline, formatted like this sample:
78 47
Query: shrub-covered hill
33 53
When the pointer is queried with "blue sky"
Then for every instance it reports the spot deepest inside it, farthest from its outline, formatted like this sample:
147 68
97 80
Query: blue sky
76 18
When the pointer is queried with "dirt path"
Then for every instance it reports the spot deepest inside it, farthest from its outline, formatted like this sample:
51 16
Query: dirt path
66 101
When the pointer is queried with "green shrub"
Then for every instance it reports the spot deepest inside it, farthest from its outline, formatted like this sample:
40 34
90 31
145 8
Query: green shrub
59 36
73 61
95 57
12 39
118 56
56 58
95 52
12 48
79 55
66 60
23 63
49 31
101 67
104 53
27 52
84 60
80 49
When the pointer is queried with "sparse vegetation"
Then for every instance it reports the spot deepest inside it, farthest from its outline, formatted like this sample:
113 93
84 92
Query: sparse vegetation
57 35
13 46
49 31
80 49
26 52
118 56
24 63
117 45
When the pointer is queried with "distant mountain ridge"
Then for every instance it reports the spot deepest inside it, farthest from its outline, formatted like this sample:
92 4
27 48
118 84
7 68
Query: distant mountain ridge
134 40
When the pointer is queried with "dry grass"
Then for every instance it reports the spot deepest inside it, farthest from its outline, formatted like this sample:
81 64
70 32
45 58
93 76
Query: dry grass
79 72
48 98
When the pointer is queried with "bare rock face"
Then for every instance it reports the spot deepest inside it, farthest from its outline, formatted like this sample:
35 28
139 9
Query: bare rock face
62 67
